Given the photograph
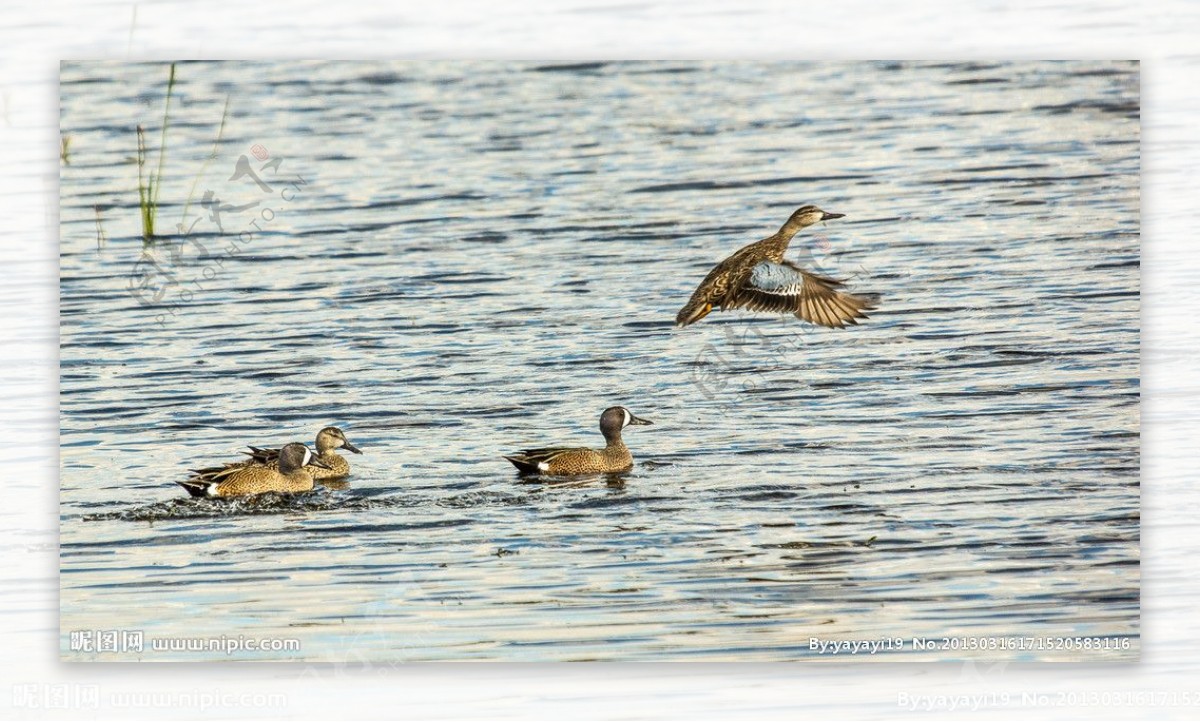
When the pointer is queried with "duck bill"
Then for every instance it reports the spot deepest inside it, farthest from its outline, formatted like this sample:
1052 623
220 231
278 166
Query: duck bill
351 447
635 421
826 216
316 461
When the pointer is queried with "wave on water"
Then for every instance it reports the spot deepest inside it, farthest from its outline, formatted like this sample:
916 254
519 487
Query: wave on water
319 500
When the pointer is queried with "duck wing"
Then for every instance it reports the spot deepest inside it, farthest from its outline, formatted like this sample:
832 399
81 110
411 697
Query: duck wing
216 474
717 287
530 460
785 287
264 457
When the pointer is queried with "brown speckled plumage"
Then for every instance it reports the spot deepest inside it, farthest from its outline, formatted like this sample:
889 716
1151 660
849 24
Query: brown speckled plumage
571 461
329 439
758 278
290 477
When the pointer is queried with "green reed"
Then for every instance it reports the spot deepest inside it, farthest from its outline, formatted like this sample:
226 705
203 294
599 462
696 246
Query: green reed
149 184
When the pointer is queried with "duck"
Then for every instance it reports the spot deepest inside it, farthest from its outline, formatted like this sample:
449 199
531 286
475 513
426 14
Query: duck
758 278
574 461
291 476
329 439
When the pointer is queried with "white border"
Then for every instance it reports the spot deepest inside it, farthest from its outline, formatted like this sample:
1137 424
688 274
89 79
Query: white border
37 35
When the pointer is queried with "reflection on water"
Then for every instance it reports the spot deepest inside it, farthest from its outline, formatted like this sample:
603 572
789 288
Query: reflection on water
452 261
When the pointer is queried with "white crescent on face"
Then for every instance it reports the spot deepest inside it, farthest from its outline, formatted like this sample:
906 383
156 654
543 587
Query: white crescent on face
628 417
307 457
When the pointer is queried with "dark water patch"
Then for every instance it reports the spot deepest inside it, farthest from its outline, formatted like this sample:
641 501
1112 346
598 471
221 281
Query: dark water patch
580 68
665 324
1131 263
1116 563
486 237
978 81
408 423
777 495
500 411
94 342
994 363
151 584
1015 391
1128 70
1103 294
731 185
964 67
1016 181
1007 166
383 78
244 349
1127 109
454 277
597 228
658 69
420 200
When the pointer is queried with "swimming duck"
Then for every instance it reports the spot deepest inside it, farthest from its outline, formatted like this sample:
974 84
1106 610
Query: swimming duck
329 439
568 461
759 279
290 477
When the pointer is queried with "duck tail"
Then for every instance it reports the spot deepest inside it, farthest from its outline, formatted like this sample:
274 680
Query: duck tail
524 465
196 487
693 312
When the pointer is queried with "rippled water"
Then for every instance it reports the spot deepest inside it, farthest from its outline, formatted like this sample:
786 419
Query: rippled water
452 261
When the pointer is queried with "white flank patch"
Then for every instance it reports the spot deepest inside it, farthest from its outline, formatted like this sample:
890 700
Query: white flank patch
543 466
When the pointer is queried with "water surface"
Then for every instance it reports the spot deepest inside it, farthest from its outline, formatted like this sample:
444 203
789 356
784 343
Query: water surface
456 260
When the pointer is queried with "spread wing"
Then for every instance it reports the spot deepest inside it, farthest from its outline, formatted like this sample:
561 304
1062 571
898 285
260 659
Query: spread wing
785 287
